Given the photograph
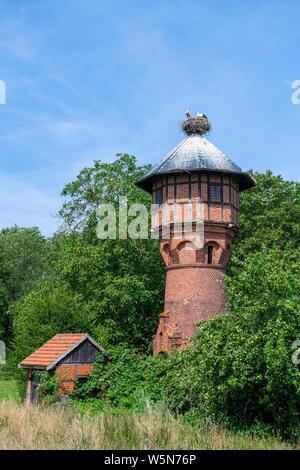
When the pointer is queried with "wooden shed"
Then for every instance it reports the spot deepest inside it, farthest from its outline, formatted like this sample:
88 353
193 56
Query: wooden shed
70 355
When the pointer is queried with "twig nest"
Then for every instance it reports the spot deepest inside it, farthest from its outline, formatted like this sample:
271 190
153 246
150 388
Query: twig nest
198 124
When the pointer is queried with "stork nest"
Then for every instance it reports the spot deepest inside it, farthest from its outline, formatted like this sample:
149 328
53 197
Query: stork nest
196 125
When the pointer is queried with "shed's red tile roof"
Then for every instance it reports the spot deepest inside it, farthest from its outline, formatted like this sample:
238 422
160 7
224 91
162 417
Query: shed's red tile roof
51 351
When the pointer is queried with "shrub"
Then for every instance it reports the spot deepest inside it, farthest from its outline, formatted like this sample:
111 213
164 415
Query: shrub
48 387
124 379
240 370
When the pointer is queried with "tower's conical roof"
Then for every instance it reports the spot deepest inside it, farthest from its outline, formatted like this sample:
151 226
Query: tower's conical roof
196 154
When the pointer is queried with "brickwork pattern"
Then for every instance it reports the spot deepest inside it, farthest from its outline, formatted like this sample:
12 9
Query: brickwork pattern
194 274
67 375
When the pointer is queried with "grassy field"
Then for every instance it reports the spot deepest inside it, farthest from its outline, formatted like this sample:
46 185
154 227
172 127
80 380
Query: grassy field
61 427
36 427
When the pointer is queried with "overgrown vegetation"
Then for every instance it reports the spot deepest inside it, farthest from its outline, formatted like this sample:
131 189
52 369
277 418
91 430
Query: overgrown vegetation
123 379
239 373
26 428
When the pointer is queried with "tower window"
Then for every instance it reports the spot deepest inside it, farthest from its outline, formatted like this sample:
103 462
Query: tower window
215 194
159 196
210 251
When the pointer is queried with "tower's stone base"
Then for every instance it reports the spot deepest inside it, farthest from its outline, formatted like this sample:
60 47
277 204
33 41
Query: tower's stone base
193 293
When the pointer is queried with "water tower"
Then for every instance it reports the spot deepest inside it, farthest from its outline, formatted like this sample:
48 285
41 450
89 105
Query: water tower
194 174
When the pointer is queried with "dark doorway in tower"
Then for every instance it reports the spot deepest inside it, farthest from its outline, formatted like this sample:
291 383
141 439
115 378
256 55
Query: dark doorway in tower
210 252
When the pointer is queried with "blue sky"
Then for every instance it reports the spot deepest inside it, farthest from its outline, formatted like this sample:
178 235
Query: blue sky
88 79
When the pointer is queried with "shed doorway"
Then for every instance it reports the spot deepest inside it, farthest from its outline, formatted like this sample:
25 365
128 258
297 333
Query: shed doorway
34 388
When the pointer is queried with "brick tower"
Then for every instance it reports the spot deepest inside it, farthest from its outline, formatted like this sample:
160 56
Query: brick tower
199 182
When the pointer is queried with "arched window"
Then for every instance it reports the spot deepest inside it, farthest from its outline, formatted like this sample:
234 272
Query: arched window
210 252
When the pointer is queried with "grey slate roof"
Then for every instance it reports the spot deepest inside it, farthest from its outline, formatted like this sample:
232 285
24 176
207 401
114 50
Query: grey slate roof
196 154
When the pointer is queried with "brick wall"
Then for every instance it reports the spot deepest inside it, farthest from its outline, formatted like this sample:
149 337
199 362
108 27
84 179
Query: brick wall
194 188
68 373
194 274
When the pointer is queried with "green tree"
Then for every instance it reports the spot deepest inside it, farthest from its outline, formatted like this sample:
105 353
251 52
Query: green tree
240 369
124 378
270 215
22 264
4 326
102 183
43 313
119 282
122 280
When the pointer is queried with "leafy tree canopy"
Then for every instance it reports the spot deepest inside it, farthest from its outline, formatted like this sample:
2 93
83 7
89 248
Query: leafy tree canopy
22 263
102 183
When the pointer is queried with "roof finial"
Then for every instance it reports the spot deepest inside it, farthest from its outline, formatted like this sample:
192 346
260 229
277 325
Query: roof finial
198 124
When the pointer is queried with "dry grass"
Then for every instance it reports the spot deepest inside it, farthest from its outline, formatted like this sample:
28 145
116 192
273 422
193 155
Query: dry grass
37 427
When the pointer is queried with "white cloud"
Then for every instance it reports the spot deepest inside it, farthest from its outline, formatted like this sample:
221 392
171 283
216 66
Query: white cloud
24 204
